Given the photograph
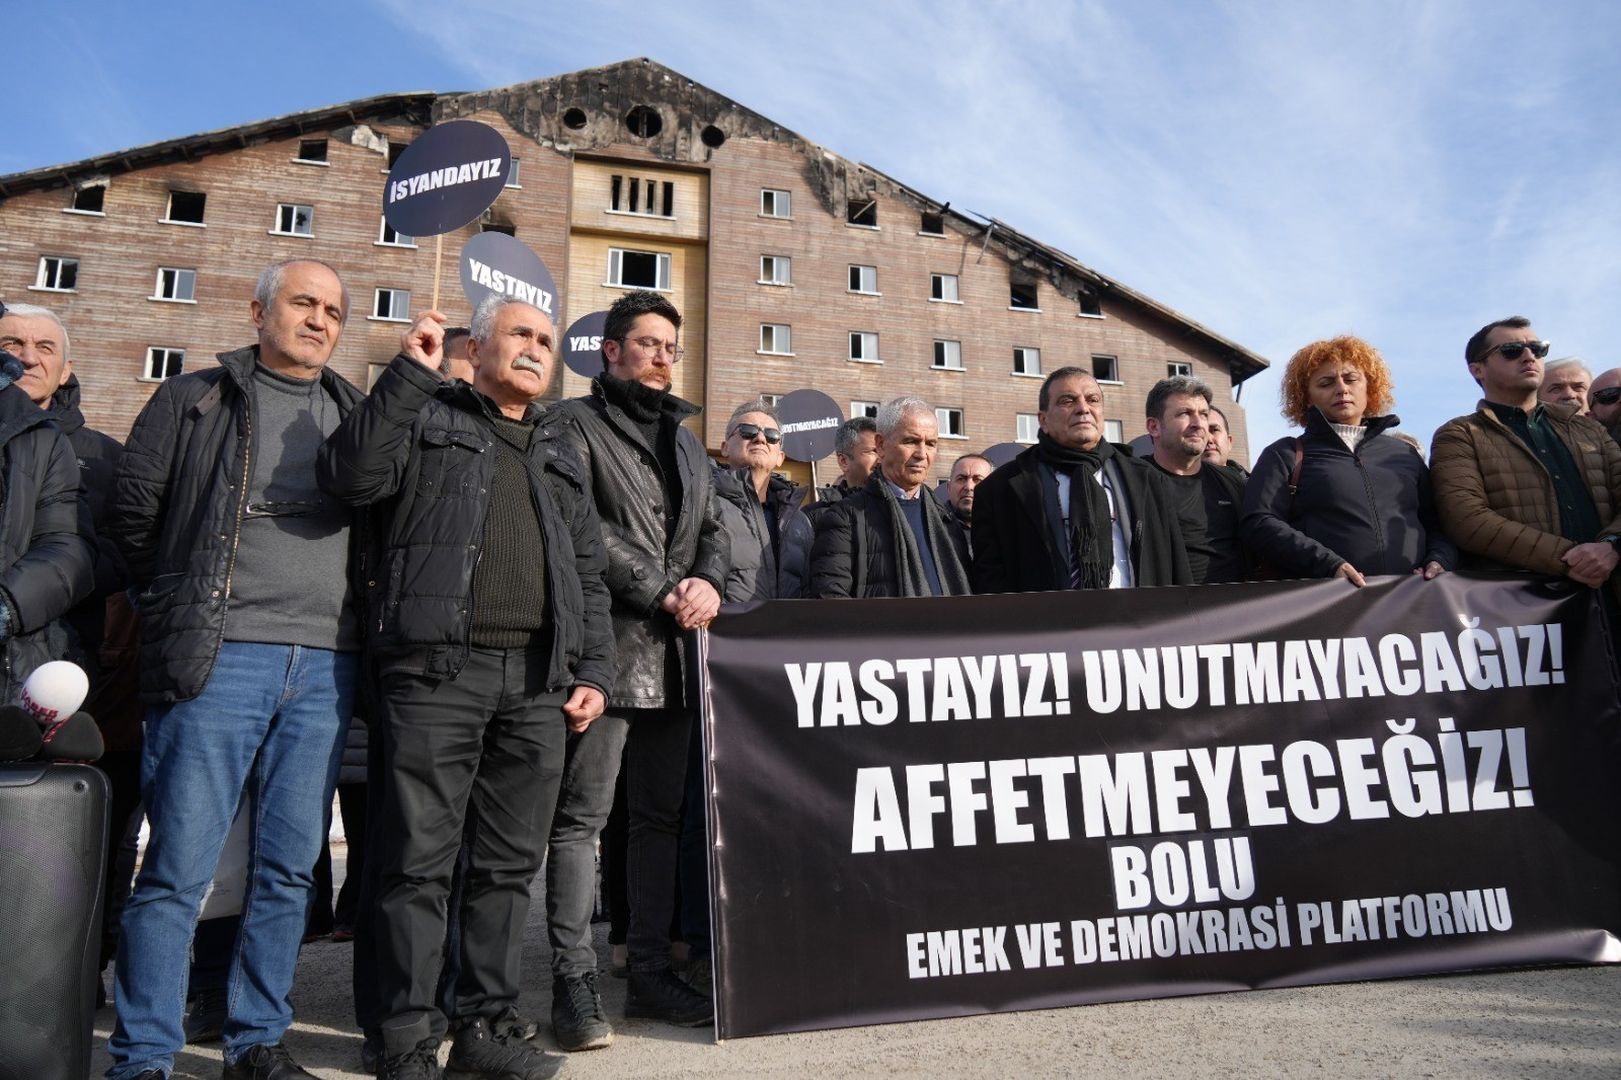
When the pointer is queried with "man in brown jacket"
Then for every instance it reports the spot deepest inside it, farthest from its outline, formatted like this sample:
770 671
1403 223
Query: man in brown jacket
1525 486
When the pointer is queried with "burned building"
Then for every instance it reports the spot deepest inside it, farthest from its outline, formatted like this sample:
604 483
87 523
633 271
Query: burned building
794 267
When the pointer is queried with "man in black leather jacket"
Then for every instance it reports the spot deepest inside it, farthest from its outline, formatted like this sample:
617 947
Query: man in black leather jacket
667 565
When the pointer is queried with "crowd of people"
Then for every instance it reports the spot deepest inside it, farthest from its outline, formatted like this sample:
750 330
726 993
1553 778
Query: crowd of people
485 603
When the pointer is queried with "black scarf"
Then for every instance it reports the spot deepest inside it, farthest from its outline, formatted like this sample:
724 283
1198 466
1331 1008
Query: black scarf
1091 537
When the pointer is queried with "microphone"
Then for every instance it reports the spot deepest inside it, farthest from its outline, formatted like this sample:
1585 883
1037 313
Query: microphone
54 691
19 734
75 739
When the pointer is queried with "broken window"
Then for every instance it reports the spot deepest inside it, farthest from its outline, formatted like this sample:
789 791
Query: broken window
505 227
638 269
90 198
932 224
395 149
1091 306
1023 296
948 355
1178 369
638 195
774 202
863 212
950 423
574 119
943 287
644 122
1105 368
864 279
175 284
294 219
869 409
57 274
163 363
185 207
312 150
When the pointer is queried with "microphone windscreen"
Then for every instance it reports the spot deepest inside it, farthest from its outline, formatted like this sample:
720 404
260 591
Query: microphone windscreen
54 691
75 739
19 734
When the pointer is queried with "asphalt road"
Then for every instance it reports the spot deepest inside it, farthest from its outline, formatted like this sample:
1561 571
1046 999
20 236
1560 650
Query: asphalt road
1554 1022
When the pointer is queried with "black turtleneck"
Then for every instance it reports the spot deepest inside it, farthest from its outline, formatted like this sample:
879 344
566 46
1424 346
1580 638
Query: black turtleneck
646 409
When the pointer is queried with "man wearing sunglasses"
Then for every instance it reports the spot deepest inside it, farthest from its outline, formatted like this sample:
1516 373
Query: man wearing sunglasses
1604 401
777 524
1522 486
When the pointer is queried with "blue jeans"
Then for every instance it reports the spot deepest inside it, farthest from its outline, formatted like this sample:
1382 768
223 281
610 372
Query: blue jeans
269 727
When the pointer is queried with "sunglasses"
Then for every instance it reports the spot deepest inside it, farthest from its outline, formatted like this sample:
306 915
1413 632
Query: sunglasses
1511 350
1607 396
749 431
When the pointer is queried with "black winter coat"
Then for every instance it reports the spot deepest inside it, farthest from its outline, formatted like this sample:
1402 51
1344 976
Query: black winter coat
177 515
47 561
1015 549
422 452
98 456
645 558
1370 507
854 552
785 574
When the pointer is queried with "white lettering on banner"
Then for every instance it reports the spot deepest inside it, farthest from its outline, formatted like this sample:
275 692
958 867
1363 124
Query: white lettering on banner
1145 793
449 176
1008 686
508 285
811 425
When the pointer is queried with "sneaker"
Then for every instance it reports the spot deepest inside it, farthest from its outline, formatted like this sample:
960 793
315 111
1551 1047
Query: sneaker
420 1063
700 975
497 1052
661 995
266 1061
205 1017
577 1019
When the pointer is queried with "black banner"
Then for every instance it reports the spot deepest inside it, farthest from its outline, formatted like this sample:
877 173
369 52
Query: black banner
928 808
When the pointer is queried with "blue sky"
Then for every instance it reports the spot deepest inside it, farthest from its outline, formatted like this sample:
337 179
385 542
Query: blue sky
1281 172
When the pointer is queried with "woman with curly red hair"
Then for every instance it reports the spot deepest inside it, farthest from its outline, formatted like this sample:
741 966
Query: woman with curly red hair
1343 498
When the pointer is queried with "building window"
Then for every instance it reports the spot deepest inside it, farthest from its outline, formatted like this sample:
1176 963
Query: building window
312 151
1114 431
776 270
1091 306
1026 426
389 238
948 355
950 422
774 202
1179 369
185 207
638 269
175 284
776 339
392 305
864 347
1105 368
89 199
163 363
863 212
514 174
1026 361
395 149
943 287
864 279
504 227
294 219
869 409
637 195
770 400
932 224
57 274
1022 297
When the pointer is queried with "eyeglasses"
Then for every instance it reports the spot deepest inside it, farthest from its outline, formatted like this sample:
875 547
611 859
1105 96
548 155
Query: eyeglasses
1511 350
749 431
1607 396
654 345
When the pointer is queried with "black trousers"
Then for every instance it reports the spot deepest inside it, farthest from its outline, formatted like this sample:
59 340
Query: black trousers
655 782
486 745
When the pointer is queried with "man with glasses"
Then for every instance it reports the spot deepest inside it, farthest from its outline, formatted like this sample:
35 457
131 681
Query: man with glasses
1520 486
753 450
667 565
1604 401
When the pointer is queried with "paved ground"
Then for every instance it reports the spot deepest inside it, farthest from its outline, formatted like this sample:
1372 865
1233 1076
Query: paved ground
1558 1022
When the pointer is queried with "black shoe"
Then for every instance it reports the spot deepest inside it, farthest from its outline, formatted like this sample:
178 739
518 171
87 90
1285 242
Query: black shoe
577 1019
422 1063
700 975
497 1051
371 1053
265 1061
661 995
205 1018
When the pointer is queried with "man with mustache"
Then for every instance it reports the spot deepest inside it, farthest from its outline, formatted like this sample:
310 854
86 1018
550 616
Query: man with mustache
1522 486
667 563
489 643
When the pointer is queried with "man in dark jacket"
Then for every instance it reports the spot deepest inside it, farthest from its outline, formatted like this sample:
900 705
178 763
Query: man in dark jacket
893 537
855 448
1208 500
1074 511
492 639
753 447
666 566
249 638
